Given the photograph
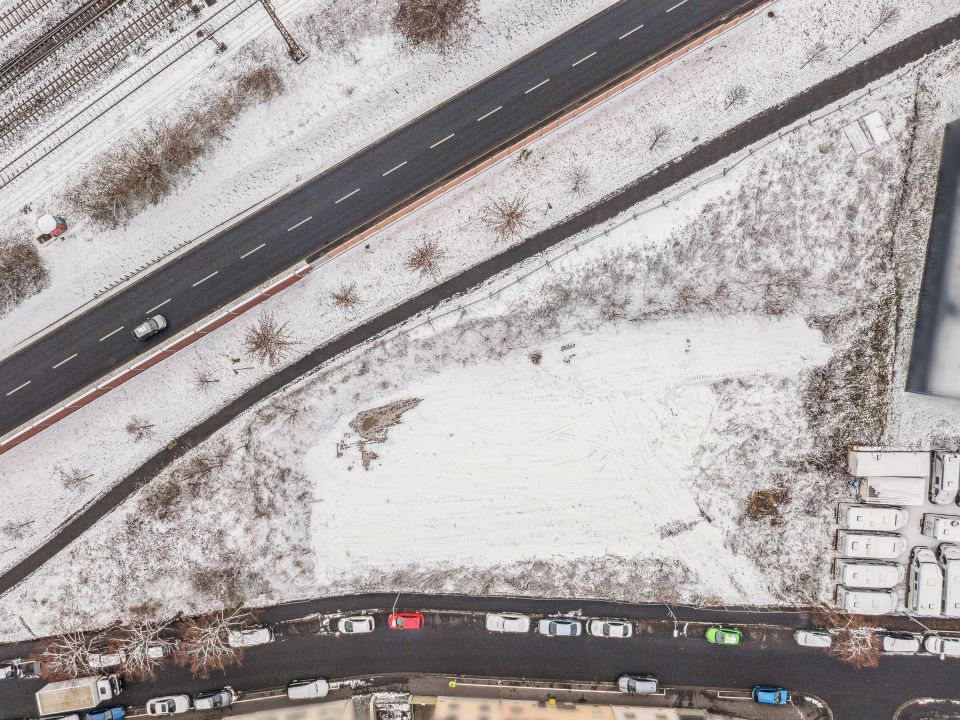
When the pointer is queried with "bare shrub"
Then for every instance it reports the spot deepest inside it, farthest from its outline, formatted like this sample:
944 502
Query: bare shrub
260 83
204 380
854 640
536 357
766 504
659 135
67 656
73 478
887 16
15 529
577 179
139 428
737 95
815 54
205 461
22 274
425 258
507 217
268 340
346 297
438 24
290 410
205 647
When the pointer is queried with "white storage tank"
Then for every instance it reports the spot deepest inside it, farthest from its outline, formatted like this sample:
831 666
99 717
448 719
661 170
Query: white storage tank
865 460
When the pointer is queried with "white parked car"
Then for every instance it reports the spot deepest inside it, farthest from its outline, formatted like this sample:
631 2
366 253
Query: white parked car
947 646
355 624
104 660
508 622
168 705
610 628
214 700
7 672
637 684
248 637
899 644
308 689
813 638
560 627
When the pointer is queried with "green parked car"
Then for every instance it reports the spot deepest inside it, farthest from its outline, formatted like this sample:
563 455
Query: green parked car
724 635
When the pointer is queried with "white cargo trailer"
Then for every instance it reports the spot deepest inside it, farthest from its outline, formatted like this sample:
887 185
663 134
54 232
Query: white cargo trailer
865 461
893 490
68 696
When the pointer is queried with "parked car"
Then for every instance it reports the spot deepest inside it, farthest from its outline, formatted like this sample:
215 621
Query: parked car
104 660
216 699
947 646
116 713
405 620
899 644
8 671
150 327
508 622
719 635
560 627
308 689
813 638
355 624
168 705
638 684
248 637
610 628
770 695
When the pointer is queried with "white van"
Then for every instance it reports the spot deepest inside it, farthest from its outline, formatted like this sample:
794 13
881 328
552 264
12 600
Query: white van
949 556
247 637
925 585
945 479
941 527
308 689
899 643
886 518
874 546
866 602
946 646
867 573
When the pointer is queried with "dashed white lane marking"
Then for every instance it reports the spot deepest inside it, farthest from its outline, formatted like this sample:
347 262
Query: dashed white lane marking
19 387
631 32
251 252
65 360
677 5
395 167
441 142
498 108
111 333
584 58
157 307
206 278
346 196
539 84
300 223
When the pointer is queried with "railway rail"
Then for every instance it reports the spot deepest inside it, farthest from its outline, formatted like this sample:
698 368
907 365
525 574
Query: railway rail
56 37
19 14
31 103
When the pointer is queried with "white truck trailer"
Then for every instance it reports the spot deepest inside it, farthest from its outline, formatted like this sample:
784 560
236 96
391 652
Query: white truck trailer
69 696
868 461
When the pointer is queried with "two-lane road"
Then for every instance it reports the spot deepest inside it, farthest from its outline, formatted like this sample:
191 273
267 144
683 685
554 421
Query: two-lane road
349 196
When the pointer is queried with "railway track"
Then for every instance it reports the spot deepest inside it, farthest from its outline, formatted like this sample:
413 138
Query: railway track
34 100
57 36
19 14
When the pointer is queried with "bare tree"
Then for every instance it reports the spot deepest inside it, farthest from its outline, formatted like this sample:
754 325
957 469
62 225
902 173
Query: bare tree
346 297
290 409
737 95
206 460
434 23
659 133
143 648
267 340
139 427
22 273
815 54
204 380
854 641
425 258
888 15
73 478
577 178
205 646
67 656
507 217
15 530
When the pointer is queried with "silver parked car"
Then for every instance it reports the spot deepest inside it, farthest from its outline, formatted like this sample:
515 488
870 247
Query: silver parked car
637 684
560 627
213 700
150 327
168 705
946 646
610 628
813 638
308 689
508 622
901 644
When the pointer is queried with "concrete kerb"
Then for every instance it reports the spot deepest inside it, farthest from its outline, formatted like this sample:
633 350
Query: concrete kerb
256 297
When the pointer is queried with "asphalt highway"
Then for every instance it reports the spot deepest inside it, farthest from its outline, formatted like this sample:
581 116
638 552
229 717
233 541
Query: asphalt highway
455 642
348 196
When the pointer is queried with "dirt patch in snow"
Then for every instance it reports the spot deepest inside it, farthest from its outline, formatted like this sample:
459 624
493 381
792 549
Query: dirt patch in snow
373 425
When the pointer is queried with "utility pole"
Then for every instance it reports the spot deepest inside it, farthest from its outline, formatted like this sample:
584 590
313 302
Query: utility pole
296 52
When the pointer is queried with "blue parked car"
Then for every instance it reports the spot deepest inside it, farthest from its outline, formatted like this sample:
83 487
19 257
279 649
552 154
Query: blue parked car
116 713
770 695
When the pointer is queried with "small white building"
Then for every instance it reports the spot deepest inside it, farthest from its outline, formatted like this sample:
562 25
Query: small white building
893 490
865 461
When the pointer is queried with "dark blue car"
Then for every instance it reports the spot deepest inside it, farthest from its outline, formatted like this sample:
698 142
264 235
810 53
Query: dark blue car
770 695
116 713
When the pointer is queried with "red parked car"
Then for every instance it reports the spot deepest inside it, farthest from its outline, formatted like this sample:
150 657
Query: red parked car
405 621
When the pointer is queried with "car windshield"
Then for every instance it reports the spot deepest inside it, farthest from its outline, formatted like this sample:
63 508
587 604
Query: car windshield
399 621
166 706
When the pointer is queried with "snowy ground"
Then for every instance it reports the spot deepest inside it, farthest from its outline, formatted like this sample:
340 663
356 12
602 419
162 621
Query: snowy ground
681 365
